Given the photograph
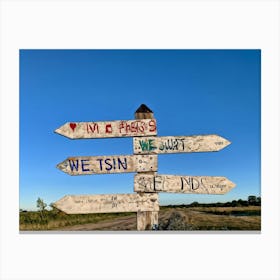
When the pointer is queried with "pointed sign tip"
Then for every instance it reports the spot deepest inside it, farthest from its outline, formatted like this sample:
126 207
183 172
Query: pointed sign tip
226 142
54 205
58 131
230 184
63 133
62 166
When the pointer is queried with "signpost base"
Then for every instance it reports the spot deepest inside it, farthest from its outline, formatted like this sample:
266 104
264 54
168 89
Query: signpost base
147 220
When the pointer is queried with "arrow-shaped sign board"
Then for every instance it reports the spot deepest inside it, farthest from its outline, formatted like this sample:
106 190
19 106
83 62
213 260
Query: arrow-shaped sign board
108 164
179 144
108 129
182 184
108 203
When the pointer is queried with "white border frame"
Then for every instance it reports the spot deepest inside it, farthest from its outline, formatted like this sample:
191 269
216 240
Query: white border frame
139 24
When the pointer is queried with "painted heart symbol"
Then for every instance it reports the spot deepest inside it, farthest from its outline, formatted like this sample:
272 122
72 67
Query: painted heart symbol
73 126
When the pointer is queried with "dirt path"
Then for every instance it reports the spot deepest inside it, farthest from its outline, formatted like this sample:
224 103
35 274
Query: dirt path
121 223
175 219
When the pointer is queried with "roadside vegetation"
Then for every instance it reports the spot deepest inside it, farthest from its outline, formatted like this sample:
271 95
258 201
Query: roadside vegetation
44 219
234 215
251 201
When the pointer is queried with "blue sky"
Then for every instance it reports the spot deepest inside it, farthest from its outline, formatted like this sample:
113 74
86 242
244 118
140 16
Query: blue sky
191 92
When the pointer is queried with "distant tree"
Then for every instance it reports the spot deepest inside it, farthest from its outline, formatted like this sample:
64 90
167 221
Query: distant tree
194 204
234 203
242 202
252 200
259 202
245 203
41 205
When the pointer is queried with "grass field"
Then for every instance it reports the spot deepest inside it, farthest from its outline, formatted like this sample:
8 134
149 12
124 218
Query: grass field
212 218
170 218
50 220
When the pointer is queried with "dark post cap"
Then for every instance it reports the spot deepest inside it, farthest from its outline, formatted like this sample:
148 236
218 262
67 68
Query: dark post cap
143 109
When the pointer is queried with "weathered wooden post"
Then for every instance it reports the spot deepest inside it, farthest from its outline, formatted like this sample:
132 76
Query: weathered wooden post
146 220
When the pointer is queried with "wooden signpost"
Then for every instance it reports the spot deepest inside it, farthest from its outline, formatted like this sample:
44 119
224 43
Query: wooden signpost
147 184
179 144
182 184
108 129
108 164
108 203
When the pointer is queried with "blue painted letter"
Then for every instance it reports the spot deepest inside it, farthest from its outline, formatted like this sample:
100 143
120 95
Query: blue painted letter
83 164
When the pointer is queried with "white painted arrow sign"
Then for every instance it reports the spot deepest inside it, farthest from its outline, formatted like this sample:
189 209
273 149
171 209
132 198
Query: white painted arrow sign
108 164
108 129
107 203
179 144
182 184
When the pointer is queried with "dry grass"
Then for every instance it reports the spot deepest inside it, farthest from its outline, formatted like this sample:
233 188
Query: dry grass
226 210
170 218
32 221
217 218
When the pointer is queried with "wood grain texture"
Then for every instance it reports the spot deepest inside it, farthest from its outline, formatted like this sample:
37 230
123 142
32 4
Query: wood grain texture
179 144
107 203
146 220
108 129
108 164
182 184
